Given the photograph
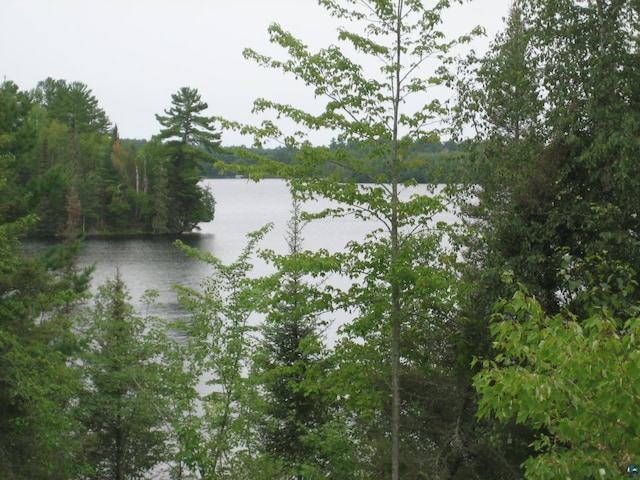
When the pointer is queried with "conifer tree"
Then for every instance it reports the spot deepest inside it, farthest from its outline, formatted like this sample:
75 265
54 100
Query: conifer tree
38 385
189 139
73 137
129 370
296 414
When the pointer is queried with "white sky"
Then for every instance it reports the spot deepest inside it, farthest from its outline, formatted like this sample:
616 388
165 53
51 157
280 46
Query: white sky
133 54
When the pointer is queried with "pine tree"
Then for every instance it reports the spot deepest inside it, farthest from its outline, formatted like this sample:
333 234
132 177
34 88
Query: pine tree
189 139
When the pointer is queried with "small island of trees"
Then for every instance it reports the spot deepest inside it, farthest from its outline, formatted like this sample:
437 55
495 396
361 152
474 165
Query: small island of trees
62 155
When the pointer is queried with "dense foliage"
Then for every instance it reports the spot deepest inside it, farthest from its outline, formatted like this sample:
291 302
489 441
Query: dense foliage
79 176
514 356
573 378
555 106
37 382
131 384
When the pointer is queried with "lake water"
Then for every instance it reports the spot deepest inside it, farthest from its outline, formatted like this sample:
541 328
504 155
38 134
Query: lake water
242 206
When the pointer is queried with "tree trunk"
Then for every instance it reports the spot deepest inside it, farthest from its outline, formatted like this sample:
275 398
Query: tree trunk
396 314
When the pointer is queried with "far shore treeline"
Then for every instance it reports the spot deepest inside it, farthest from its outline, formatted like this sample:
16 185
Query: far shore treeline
79 175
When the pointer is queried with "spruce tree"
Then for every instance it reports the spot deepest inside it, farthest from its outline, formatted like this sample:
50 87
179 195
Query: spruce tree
290 364
133 380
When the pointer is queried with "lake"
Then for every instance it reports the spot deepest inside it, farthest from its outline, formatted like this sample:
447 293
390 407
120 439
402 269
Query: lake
242 206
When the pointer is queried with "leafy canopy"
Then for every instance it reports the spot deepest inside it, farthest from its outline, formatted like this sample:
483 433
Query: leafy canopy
574 380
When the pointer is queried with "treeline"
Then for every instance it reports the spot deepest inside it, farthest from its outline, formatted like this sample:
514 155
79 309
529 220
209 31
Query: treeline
69 164
79 176
428 161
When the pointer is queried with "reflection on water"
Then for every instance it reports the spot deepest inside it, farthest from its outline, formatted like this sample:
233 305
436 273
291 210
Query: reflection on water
147 262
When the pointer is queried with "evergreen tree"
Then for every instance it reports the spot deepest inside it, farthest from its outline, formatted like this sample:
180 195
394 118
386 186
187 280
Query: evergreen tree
38 385
72 104
130 370
17 128
189 140
160 202
290 364
73 137
17 138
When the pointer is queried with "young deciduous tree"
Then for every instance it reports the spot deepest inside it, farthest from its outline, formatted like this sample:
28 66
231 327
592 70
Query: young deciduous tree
215 431
383 96
572 379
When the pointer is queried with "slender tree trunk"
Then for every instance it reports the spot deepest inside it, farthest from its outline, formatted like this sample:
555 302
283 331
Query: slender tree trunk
145 178
396 314
395 384
119 473
396 327
137 212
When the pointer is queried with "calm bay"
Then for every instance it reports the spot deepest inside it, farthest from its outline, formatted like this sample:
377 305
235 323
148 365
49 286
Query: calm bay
242 206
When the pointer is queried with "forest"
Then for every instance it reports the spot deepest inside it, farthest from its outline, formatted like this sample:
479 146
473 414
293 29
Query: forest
69 165
74 171
504 347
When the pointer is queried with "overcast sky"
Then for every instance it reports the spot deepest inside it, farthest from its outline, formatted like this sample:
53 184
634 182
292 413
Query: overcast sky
133 54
